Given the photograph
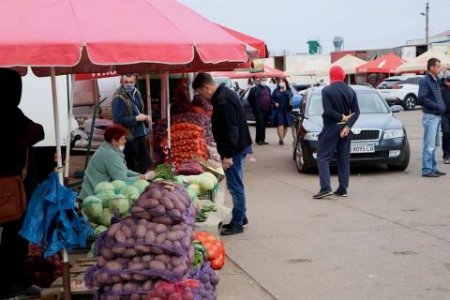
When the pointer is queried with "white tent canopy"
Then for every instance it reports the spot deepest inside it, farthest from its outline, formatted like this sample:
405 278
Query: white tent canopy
420 62
349 63
313 66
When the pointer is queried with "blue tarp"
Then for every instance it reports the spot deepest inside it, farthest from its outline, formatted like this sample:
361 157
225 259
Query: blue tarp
52 221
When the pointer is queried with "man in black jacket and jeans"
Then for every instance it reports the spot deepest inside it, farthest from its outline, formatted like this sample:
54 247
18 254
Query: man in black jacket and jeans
233 140
445 123
260 100
340 112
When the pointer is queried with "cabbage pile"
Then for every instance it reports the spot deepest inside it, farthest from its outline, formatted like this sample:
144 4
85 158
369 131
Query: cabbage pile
111 199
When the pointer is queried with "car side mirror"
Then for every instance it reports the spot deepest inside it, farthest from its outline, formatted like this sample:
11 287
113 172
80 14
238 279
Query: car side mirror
397 108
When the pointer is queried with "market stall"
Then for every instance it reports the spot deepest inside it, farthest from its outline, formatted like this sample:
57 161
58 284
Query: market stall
419 64
72 37
379 69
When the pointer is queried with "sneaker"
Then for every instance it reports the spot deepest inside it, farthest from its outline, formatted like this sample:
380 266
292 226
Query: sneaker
260 143
431 175
322 194
340 193
264 143
244 222
440 173
281 143
235 229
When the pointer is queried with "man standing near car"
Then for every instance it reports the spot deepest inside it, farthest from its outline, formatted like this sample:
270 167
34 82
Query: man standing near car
445 89
430 97
260 100
340 112
128 111
230 131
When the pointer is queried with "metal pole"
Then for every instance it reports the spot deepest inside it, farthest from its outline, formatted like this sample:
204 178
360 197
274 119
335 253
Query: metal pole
169 126
427 25
66 267
149 110
69 128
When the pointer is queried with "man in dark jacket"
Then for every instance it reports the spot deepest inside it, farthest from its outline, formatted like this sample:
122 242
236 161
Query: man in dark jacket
19 135
340 112
260 100
430 97
128 111
233 140
445 89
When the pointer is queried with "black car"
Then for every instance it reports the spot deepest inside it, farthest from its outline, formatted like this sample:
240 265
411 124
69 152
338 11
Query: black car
378 136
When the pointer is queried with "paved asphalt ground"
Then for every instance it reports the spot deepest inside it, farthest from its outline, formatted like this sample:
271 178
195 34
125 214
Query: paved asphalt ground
390 239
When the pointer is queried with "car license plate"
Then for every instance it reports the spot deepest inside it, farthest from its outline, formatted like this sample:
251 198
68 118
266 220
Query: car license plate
362 148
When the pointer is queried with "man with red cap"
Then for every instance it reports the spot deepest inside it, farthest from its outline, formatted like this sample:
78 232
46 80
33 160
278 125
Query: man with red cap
340 112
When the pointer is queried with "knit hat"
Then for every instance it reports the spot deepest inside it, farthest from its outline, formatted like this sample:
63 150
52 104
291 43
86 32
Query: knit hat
337 74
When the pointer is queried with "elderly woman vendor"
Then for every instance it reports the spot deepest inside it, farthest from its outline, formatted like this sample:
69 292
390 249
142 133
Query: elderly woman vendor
108 162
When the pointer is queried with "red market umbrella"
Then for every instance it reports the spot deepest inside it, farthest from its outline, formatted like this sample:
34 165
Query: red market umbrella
250 40
267 72
385 64
83 36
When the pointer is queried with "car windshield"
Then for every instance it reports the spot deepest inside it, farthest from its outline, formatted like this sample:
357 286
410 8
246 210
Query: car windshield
369 103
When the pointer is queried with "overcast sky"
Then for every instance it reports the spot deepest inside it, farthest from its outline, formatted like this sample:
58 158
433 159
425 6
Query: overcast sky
364 24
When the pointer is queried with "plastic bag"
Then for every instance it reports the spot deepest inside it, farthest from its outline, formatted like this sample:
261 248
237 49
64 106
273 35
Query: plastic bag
51 220
138 237
168 291
215 249
208 281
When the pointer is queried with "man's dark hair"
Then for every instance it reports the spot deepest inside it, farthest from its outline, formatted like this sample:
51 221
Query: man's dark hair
201 80
432 62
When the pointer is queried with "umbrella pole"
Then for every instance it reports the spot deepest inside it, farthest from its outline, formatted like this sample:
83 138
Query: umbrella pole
169 125
149 111
69 128
66 274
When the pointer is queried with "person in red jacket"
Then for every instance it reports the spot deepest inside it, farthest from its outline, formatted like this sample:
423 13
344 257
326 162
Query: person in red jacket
340 112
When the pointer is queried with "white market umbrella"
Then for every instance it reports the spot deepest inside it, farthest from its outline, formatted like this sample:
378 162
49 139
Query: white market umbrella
419 64
349 63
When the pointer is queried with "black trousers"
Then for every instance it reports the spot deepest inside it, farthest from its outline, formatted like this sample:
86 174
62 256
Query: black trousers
137 155
445 125
261 119
332 145
13 252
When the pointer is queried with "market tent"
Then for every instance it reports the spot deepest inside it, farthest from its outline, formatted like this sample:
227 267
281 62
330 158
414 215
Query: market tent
266 72
258 44
419 64
349 63
82 36
386 64
314 66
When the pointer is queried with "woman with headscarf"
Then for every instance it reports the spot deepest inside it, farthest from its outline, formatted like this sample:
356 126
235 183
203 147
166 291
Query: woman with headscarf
19 135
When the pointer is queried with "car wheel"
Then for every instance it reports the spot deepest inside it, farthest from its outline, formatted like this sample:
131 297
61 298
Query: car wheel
299 159
410 102
405 162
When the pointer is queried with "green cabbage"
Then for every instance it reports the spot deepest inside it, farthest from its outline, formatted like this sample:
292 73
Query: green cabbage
99 229
141 185
120 204
104 186
105 217
118 185
92 207
206 184
194 188
106 197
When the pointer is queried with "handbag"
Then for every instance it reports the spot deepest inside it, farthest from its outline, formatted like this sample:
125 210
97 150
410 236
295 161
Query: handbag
13 200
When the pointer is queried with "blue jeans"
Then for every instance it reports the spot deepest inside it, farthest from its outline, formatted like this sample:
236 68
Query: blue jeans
235 184
331 145
431 126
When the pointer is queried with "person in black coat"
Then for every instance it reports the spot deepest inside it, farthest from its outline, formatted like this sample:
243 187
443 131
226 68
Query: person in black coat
340 112
231 133
281 114
445 123
260 100
19 135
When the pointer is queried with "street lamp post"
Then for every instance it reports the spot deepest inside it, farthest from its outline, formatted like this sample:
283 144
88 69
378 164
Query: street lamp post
426 14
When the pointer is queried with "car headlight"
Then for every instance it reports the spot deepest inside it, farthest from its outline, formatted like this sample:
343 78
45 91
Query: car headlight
312 136
393 134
